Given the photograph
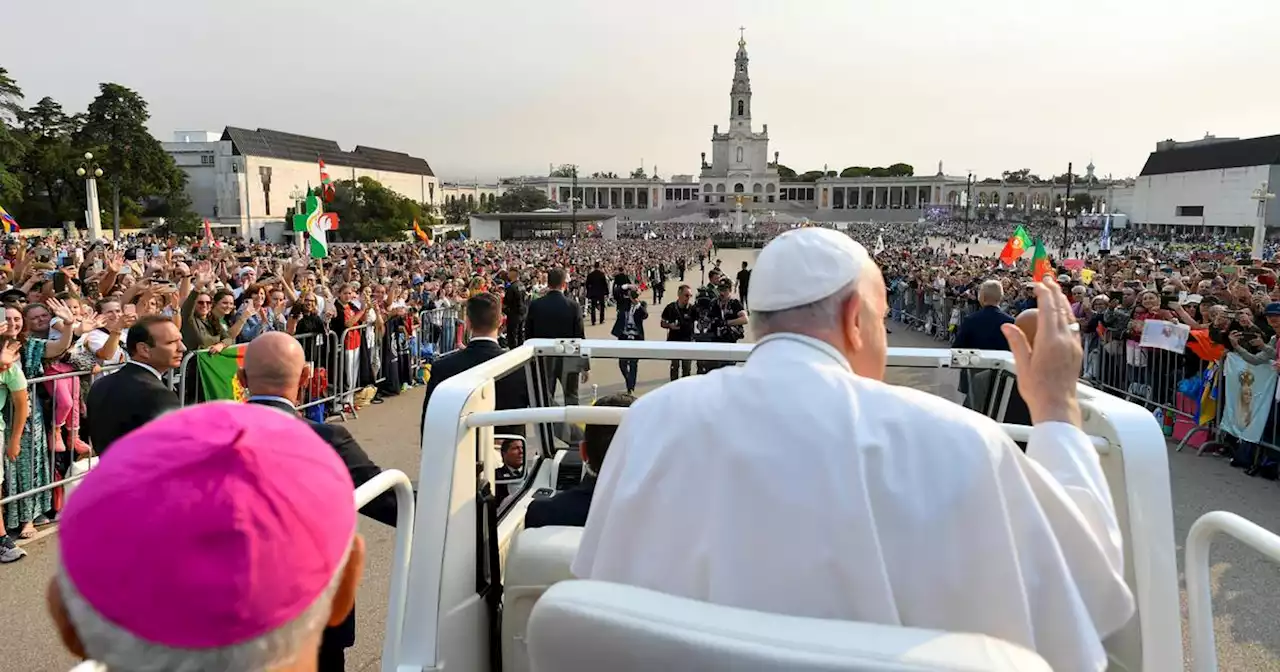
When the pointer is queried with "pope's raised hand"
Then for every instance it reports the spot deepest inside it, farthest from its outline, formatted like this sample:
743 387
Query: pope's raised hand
1049 368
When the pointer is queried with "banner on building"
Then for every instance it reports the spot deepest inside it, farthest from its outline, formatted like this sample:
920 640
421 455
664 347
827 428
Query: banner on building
218 379
1248 390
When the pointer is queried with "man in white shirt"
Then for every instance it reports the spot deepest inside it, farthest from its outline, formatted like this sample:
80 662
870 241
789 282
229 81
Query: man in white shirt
802 484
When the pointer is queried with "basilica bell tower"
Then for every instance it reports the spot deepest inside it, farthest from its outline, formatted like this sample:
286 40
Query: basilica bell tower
740 93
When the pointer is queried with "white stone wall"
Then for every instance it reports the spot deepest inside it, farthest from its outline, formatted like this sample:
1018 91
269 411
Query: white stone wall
485 229
1225 195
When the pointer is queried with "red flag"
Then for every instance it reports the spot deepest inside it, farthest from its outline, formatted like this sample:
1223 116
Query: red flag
1018 243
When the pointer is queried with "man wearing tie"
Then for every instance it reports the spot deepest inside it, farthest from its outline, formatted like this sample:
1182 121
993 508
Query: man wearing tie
136 394
558 316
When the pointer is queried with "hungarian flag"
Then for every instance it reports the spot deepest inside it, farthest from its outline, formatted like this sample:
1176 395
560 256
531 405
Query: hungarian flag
1018 243
326 184
1040 263
218 379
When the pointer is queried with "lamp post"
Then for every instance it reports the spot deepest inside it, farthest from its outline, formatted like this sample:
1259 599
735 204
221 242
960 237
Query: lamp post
1066 212
299 204
90 171
968 203
1262 196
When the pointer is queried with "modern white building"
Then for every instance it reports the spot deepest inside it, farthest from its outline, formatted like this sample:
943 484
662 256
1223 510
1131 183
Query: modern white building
246 180
1208 183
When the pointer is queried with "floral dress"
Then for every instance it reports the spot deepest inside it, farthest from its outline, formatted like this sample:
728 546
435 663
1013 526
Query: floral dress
32 468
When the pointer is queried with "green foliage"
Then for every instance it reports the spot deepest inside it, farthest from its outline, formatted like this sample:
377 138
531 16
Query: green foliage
523 199
12 147
53 191
855 171
1020 176
610 175
785 174
1082 202
901 170
564 170
639 174
458 210
368 211
810 176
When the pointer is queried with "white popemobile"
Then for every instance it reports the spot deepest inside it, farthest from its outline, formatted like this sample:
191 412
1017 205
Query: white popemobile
472 590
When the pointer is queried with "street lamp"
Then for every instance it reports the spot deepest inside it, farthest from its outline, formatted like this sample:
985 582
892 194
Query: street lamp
90 171
1262 196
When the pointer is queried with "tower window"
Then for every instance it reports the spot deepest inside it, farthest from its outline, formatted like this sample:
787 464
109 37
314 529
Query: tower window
741 107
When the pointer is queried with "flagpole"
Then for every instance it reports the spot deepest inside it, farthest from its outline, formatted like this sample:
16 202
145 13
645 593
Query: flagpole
1065 214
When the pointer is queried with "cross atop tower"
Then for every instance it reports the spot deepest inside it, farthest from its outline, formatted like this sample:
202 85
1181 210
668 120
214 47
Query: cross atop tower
742 35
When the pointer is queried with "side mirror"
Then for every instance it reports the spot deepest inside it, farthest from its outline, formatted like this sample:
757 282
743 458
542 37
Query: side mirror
511 454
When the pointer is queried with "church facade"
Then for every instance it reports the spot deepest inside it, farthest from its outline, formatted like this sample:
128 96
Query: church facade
739 172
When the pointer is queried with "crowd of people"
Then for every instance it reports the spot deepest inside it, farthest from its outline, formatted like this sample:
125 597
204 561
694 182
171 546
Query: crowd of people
76 311
369 310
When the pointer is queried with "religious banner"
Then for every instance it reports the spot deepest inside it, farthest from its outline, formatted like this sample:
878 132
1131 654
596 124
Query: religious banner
1104 239
1171 336
218 380
1248 390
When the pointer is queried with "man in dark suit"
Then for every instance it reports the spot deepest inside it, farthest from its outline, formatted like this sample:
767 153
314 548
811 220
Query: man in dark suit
512 390
558 316
275 372
570 507
597 286
136 394
981 331
629 326
514 306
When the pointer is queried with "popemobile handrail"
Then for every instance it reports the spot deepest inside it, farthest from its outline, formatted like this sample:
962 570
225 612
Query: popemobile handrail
1204 653
1130 444
398 594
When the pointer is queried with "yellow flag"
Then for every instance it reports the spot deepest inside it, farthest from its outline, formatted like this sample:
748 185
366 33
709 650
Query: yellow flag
1086 275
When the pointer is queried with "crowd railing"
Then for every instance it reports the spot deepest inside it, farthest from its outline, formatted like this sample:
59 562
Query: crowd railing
335 380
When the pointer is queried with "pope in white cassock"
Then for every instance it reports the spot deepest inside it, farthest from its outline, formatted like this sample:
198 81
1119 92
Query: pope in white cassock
802 484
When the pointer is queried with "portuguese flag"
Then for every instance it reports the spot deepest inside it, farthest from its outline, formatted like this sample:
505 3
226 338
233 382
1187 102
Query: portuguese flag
1040 263
218 379
1018 243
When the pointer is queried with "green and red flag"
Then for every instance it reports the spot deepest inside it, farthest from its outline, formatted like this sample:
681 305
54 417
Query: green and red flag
1018 243
1040 266
314 221
218 380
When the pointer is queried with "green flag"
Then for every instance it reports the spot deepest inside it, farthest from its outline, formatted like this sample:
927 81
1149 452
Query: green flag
1040 266
218 379
313 223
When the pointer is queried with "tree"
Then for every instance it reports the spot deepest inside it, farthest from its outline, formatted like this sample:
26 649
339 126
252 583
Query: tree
901 170
458 210
523 199
855 171
564 170
638 174
1062 179
810 176
1021 176
11 145
368 211
785 174
136 165
52 186
1082 202
610 175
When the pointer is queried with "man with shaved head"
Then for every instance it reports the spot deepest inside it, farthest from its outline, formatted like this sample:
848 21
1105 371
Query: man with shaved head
275 372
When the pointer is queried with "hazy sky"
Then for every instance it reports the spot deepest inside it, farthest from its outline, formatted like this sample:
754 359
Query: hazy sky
488 88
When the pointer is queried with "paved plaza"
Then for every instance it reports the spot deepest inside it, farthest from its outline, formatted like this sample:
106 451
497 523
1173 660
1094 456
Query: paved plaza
1244 583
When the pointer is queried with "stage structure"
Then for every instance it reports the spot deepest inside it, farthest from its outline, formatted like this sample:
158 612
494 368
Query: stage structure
543 225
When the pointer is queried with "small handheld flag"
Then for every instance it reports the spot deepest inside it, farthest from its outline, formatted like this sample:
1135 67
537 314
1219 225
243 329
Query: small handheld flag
422 235
1017 244
326 184
1040 263
9 223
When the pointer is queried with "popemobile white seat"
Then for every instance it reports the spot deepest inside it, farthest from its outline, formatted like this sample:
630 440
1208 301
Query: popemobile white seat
581 626
537 558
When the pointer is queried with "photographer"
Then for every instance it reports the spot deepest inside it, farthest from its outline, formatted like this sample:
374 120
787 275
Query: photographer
679 318
722 322
629 326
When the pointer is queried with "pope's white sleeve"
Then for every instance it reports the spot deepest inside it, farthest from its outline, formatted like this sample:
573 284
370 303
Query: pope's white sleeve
1066 479
1066 453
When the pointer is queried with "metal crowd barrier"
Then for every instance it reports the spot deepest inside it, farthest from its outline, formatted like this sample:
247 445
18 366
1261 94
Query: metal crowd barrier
44 394
332 383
